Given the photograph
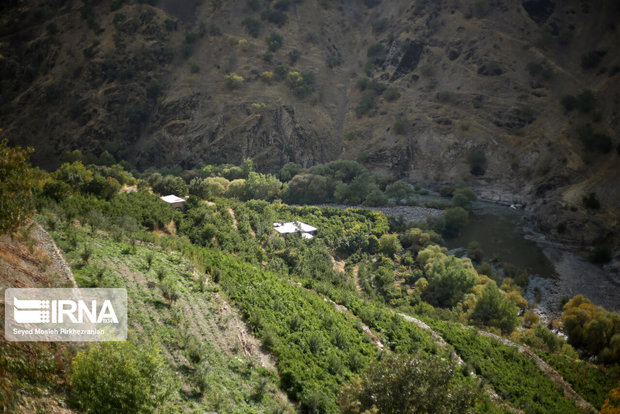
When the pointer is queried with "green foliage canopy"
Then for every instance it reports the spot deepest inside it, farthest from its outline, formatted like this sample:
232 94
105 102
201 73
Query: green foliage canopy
15 187
113 377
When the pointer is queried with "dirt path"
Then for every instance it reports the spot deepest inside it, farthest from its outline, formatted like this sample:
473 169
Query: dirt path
234 218
356 277
551 373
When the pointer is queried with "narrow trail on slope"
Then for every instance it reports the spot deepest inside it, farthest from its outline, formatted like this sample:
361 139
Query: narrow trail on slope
551 373
436 336
443 344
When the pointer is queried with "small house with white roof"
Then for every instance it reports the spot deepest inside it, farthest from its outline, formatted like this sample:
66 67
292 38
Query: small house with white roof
173 201
288 227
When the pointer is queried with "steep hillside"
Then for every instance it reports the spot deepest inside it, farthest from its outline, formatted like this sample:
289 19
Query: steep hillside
490 91
33 375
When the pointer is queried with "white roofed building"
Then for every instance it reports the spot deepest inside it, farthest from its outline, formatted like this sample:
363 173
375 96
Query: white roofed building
287 227
173 200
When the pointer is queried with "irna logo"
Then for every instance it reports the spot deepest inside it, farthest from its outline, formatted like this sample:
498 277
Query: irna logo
65 314
59 311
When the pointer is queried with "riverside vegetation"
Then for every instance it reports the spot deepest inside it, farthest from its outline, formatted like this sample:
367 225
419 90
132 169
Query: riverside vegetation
331 330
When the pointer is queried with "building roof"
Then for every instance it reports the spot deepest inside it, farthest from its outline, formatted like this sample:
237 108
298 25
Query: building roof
293 227
172 199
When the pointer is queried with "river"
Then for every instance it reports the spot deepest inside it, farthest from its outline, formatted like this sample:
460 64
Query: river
555 271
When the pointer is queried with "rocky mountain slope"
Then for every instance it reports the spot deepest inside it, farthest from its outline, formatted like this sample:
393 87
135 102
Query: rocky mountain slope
520 99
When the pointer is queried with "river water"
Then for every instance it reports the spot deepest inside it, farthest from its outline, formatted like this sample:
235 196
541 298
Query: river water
555 271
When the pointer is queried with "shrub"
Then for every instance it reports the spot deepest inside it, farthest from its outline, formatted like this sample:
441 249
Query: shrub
399 190
592 59
214 30
569 102
449 278
365 105
252 26
463 197
455 218
169 289
85 254
282 5
52 29
376 53
403 383
591 202
494 309
168 185
601 254
254 4
193 350
113 377
585 102
592 328
427 70
333 61
534 68
233 81
444 96
276 17
481 8
274 42
389 245
391 94
261 186
266 76
136 114
293 56
592 140
375 198
477 162
379 26
170 25
153 90
418 238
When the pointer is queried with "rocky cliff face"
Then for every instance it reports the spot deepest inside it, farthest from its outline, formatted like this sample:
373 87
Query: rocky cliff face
179 83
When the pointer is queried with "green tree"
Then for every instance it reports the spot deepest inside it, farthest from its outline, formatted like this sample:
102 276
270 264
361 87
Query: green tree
592 328
74 174
401 383
449 278
236 189
118 377
399 191
170 289
373 244
168 185
375 198
261 186
455 218
15 187
389 245
418 238
493 308
463 197
288 171
309 188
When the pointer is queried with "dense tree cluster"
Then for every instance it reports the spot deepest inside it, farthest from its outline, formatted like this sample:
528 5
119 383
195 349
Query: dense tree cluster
592 328
408 384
